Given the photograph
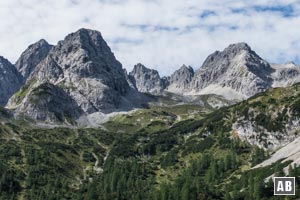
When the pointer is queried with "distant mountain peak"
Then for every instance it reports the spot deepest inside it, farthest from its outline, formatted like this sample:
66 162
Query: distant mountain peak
236 72
85 36
32 56
291 63
180 79
139 67
146 80
83 66
184 67
238 46
42 42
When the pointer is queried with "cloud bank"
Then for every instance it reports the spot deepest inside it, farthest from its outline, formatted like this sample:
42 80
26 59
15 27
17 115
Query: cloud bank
162 34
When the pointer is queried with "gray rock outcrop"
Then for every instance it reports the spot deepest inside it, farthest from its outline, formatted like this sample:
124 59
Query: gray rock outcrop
237 72
50 103
31 57
10 80
285 74
180 80
86 69
146 80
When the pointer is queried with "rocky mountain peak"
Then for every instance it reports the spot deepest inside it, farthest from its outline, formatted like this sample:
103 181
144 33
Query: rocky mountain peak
223 58
86 69
10 80
85 39
291 64
236 72
31 57
180 79
88 42
146 80
140 69
186 68
84 53
238 47
285 74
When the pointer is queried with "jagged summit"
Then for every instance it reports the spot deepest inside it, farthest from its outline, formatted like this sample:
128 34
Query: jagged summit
184 67
85 68
89 40
139 67
291 63
236 72
238 47
41 42
180 79
146 80
84 53
31 57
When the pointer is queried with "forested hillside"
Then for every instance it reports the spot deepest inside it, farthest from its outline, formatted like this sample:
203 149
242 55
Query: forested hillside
179 152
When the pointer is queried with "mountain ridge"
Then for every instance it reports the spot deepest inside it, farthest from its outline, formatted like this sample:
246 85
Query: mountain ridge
237 72
84 66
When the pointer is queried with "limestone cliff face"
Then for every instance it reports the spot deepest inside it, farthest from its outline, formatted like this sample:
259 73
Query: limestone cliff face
146 80
237 72
48 102
180 80
85 68
285 74
31 57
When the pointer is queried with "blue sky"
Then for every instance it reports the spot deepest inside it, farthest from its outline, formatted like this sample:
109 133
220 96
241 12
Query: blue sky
162 34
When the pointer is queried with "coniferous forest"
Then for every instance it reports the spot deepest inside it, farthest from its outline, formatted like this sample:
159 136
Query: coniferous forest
197 158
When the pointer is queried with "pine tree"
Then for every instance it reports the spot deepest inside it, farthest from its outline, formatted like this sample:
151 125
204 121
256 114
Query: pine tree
185 192
227 162
258 187
290 171
251 186
227 196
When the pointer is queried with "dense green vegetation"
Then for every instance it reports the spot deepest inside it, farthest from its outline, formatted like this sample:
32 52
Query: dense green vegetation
158 153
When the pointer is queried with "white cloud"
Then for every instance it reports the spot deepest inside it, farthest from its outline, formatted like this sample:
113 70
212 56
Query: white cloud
161 34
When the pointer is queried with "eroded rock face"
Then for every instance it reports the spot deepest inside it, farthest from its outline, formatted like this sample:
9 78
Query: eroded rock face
285 74
48 102
84 63
237 72
83 66
147 80
180 80
10 80
86 69
31 57
237 69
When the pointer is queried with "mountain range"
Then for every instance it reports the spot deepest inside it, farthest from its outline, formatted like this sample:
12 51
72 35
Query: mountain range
82 72
74 124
